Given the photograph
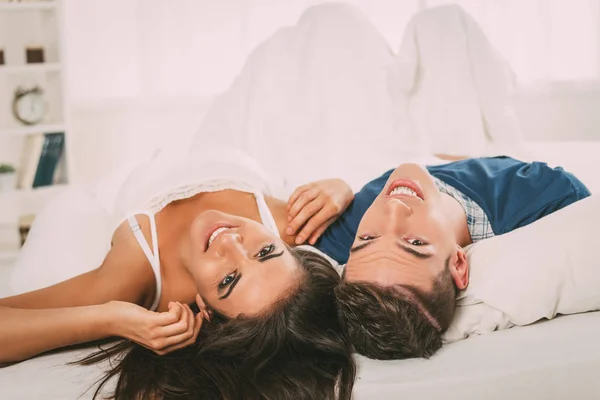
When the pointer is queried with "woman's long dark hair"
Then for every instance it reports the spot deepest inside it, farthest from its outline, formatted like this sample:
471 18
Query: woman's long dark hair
294 351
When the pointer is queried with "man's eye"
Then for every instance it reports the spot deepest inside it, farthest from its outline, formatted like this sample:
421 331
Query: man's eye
367 237
415 242
227 280
265 251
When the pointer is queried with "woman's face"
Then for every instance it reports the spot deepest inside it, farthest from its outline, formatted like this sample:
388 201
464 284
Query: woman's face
238 266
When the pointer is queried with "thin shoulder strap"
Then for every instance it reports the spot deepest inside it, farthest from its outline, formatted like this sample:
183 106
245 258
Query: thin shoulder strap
265 213
151 254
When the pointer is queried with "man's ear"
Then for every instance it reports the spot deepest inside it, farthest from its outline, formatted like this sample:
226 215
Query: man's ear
459 268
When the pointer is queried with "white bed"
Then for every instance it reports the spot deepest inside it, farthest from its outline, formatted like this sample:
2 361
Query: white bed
556 359
551 360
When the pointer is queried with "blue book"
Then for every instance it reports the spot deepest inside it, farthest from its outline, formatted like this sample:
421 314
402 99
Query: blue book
52 150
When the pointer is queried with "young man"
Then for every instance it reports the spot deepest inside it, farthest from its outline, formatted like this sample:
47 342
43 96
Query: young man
406 231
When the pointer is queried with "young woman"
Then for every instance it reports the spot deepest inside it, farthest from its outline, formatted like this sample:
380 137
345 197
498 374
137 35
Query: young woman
206 235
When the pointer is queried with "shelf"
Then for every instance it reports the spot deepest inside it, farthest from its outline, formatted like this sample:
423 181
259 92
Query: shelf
32 5
41 67
33 130
42 190
38 191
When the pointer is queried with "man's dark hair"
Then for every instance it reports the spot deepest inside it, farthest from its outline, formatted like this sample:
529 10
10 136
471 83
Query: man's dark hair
396 322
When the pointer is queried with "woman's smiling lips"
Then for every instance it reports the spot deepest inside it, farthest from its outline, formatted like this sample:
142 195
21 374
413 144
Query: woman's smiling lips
215 231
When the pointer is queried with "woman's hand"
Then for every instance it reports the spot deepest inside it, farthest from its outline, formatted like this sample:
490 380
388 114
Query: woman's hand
315 206
161 332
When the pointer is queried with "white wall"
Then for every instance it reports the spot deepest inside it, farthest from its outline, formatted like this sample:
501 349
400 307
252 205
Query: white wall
131 48
141 72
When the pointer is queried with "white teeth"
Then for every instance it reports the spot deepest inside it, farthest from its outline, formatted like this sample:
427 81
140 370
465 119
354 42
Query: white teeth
404 190
215 234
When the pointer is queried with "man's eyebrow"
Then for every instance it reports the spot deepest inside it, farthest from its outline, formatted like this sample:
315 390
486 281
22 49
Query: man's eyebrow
235 282
422 256
360 246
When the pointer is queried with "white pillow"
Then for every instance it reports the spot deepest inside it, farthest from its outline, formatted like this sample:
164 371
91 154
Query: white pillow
547 268
69 237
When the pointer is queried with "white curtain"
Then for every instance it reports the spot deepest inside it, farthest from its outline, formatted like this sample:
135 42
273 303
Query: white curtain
194 48
184 48
544 40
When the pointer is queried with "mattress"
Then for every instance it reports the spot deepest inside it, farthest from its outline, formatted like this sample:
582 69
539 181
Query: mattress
555 359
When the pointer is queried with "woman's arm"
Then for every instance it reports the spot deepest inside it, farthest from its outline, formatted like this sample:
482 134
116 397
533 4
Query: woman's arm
124 275
25 333
75 310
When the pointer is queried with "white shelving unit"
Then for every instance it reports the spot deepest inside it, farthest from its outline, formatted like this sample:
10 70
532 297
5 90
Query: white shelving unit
44 67
34 129
24 24
27 6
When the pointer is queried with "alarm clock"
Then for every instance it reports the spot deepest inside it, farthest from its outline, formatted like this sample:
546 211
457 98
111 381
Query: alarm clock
29 105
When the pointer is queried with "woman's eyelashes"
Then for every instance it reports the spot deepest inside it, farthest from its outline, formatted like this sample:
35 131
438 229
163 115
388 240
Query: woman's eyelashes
227 280
265 251
261 255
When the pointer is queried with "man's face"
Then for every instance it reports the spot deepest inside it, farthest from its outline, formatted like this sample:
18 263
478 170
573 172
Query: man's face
405 237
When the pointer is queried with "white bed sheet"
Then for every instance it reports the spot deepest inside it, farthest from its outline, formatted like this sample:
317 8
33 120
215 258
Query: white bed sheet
556 359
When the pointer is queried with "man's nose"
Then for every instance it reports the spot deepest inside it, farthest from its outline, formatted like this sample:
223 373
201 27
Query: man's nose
397 212
397 208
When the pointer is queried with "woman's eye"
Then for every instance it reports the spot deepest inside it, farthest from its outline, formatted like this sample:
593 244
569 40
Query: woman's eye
367 237
415 242
227 280
265 251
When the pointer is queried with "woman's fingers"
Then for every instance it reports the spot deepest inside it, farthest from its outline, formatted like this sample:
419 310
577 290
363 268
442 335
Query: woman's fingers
181 326
168 317
316 220
308 212
161 336
317 233
197 325
299 190
303 199
186 338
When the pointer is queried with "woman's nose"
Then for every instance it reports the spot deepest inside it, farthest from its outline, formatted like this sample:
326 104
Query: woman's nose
231 245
